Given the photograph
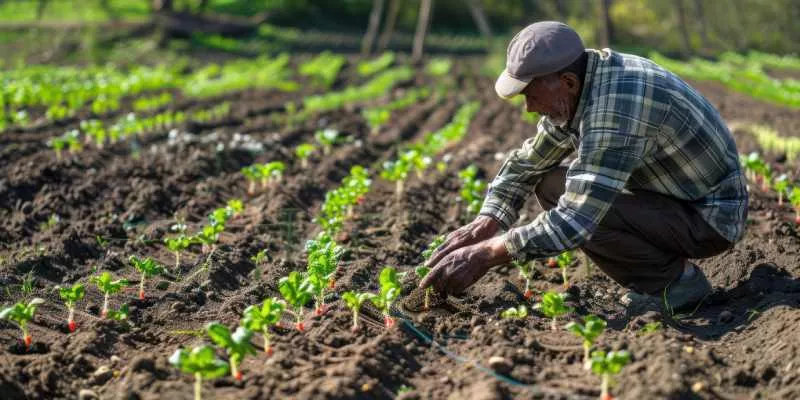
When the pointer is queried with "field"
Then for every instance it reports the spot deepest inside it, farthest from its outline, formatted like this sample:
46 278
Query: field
69 217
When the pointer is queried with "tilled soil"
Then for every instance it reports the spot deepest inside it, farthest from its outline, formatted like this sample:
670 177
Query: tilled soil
742 343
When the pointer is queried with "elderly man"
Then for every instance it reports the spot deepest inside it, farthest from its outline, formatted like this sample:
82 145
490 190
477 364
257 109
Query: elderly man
655 180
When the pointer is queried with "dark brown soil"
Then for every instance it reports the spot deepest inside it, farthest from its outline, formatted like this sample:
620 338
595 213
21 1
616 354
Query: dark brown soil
724 350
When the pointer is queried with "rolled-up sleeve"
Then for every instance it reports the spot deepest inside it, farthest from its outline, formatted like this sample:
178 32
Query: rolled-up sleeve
612 146
523 169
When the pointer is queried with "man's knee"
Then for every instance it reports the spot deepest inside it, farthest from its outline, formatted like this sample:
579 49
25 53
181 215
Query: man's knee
551 187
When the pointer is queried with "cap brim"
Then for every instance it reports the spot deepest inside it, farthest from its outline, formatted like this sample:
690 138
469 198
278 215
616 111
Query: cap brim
507 86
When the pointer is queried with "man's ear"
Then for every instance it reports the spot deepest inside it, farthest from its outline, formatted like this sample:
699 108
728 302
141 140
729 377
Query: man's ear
571 81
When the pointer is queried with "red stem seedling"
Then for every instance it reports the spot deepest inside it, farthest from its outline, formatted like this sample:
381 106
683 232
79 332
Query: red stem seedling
794 198
22 314
260 318
389 291
148 268
552 306
297 291
526 272
323 258
589 331
109 287
607 365
354 301
564 260
71 296
237 344
200 362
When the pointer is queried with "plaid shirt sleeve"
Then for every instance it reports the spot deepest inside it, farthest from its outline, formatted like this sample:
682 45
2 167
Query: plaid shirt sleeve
523 169
613 143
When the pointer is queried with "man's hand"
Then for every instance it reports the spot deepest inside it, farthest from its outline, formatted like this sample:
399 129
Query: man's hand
481 228
461 268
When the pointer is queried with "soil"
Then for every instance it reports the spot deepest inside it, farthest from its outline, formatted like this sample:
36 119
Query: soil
741 343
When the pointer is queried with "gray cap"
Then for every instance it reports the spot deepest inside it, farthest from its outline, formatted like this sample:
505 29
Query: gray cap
540 49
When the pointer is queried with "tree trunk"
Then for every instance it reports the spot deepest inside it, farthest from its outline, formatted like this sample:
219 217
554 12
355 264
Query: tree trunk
701 19
372 29
422 27
388 24
479 16
680 6
606 29
40 9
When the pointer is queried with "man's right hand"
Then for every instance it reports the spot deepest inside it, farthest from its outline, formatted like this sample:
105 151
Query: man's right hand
481 228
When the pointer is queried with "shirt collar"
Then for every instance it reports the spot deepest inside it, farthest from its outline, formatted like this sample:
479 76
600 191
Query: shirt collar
588 80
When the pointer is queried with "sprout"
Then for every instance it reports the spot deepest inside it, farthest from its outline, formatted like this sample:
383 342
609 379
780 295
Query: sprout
526 272
396 171
177 245
553 306
253 174
327 138
472 189
423 271
259 319
515 313
22 313
323 257
607 365
271 173
353 301
297 292
564 260
781 183
591 329
106 285
68 140
389 291
202 363
237 344
71 296
376 118
148 267
234 207
418 160
119 315
794 199
303 151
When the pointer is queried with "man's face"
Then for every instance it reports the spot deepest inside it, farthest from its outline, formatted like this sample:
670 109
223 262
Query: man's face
554 96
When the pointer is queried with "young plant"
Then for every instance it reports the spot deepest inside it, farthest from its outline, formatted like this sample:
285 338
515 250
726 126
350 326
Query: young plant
148 268
564 260
515 313
590 330
119 315
272 173
472 189
237 344
794 199
68 140
780 184
72 295
323 258
552 306
253 174
22 313
397 172
526 272
297 291
327 138
303 151
376 118
423 271
176 245
259 319
354 301
389 291
200 362
607 365
109 287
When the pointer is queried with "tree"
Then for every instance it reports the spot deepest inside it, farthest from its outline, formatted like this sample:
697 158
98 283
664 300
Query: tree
372 28
606 28
680 7
388 24
479 16
422 27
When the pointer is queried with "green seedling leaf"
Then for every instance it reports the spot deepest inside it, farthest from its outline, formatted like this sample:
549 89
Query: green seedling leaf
200 362
519 312
607 365
22 314
589 331
354 301
552 306
109 287
297 291
148 268
237 344
260 319
390 289
72 295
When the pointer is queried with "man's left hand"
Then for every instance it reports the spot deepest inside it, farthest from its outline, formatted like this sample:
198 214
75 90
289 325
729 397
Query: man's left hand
461 268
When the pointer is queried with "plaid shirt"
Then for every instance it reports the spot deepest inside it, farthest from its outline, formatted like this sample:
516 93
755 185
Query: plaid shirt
636 127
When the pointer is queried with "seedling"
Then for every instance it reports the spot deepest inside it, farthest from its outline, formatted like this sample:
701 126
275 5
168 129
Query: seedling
794 198
297 291
200 362
607 365
417 159
526 272
68 140
553 306
651 327
472 189
389 291
376 118
259 319
323 258
564 260
119 315
253 174
780 184
590 330
519 312
354 301
422 270
271 173
303 151
109 287
234 207
260 257
148 268
71 296
177 245
327 138
237 344
22 313
397 172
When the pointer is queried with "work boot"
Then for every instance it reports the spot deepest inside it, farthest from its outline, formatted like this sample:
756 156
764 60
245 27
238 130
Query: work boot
681 294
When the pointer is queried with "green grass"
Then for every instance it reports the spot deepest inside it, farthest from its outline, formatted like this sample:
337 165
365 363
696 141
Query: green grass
68 11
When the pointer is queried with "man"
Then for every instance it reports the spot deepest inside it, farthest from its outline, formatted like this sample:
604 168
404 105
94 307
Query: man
655 182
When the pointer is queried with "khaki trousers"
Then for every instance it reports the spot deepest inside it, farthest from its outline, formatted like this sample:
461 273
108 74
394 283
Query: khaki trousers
645 239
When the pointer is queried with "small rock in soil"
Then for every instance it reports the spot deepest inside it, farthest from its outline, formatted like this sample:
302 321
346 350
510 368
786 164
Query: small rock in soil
725 317
500 365
142 363
86 394
101 375
162 285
